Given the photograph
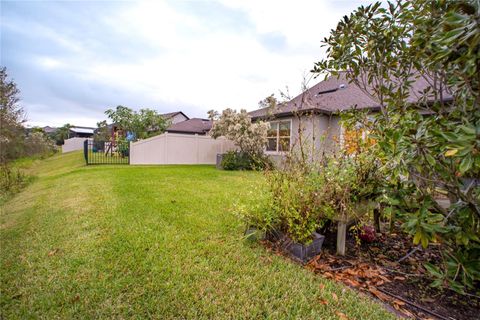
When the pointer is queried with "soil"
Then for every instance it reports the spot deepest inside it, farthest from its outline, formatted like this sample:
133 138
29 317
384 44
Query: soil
374 268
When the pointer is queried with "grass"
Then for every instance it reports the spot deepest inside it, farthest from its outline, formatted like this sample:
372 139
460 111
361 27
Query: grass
150 242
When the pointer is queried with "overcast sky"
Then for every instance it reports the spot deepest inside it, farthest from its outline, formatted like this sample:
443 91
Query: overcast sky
74 59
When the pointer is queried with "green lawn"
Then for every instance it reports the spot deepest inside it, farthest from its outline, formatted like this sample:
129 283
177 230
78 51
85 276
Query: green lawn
150 242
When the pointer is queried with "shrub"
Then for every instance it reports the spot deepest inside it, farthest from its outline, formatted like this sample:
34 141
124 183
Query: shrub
237 160
386 50
306 194
250 137
260 216
12 180
295 201
38 144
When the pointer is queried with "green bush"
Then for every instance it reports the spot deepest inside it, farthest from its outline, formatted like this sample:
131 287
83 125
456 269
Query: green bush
38 144
235 160
387 50
304 194
260 216
12 180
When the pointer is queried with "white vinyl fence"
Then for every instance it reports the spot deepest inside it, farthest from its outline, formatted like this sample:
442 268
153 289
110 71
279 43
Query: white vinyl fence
73 144
173 148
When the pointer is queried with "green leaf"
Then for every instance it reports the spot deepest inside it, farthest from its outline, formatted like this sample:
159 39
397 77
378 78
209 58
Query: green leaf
430 159
417 237
424 242
451 152
466 164
433 270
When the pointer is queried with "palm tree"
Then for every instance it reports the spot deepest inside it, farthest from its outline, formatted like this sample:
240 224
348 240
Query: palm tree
63 133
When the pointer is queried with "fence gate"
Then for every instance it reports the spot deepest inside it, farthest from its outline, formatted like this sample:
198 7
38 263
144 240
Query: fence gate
106 152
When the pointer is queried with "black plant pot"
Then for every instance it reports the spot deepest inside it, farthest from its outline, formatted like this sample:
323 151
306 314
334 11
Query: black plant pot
305 252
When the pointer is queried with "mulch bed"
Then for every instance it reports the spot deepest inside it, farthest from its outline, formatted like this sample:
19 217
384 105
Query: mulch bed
403 286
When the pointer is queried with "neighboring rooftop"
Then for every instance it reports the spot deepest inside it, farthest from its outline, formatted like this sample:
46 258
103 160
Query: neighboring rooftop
333 95
170 115
78 129
191 126
49 129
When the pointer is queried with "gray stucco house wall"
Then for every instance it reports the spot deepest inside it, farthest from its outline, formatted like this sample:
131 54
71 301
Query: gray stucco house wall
318 132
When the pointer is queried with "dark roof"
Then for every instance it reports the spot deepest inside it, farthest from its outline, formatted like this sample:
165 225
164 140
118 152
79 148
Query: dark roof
333 95
191 126
49 129
173 114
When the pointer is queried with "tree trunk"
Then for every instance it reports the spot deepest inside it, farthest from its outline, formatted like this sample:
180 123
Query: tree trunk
376 219
392 220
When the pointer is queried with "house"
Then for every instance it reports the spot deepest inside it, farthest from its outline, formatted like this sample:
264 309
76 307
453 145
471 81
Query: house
191 126
81 132
49 130
75 131
175 117
315 113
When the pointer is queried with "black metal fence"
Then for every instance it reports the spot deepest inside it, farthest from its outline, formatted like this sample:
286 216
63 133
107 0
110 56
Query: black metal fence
106 152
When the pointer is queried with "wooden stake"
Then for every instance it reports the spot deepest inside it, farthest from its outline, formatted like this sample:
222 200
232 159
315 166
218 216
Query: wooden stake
341 237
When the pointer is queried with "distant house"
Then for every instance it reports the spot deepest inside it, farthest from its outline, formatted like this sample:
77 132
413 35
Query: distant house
315 113
175 117
49 130
75 131
81 132
191 126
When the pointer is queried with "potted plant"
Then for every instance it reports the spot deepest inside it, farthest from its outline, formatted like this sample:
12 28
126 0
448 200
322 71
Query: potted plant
304 251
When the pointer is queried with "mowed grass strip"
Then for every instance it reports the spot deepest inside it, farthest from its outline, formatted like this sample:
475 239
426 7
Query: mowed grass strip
150 242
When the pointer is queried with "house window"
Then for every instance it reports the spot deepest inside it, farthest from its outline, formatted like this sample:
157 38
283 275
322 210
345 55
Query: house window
278 137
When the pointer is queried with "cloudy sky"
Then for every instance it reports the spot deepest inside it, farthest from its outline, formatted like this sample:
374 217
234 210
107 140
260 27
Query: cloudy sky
74 59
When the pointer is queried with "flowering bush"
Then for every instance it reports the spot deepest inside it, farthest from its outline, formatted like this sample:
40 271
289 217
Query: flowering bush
250 137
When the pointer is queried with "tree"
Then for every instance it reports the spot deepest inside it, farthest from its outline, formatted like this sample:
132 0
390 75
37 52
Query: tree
62 134
103 132
384 50
143 124
12 117
250 137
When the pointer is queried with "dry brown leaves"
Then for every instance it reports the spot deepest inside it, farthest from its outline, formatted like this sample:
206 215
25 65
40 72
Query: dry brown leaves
53 252
358 274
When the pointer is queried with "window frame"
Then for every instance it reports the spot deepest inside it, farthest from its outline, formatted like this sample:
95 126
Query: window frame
278 137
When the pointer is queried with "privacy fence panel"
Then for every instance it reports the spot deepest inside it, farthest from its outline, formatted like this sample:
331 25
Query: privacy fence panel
73 144
173 148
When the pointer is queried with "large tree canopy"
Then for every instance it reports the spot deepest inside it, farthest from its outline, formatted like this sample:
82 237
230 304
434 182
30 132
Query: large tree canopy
143 124
12 117
429 147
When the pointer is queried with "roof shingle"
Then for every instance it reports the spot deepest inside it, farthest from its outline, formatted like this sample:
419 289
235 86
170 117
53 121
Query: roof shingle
191 126
333 95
